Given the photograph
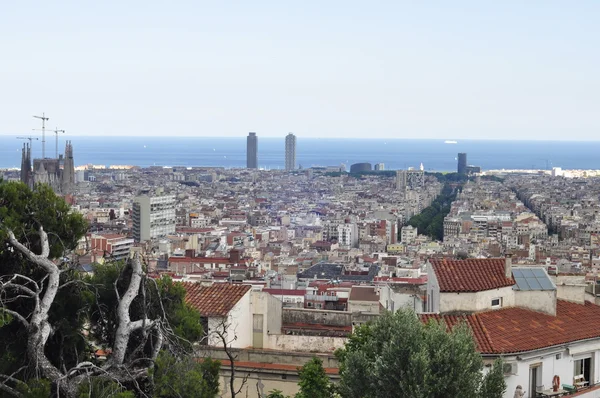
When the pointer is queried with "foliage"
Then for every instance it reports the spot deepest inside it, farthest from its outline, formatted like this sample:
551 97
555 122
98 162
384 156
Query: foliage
101 388
431 220
399 356
314 382
449 177
81 302
23 210
35 388
159 295
277 394
185 377
493 384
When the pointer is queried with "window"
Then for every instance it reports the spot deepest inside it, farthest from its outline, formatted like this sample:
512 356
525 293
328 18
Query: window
497 302
535 379
583 366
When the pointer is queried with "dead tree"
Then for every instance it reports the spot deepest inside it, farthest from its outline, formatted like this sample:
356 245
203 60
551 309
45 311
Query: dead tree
38 328
222 337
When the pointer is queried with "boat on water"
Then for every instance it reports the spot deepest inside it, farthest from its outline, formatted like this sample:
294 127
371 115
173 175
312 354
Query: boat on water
450 142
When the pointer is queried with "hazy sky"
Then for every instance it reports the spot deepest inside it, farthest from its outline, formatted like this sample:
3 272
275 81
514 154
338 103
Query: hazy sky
419 69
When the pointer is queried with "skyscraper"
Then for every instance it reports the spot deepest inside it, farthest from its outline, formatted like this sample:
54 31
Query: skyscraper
462 163
252 151
290 152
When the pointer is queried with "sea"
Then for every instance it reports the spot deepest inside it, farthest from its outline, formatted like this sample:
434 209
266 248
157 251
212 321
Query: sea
395 154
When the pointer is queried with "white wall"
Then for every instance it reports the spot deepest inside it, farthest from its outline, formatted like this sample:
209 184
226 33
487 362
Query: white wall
433 291
573 293
363 306
537 300
271 309
551 366
239 322
288 342
478 301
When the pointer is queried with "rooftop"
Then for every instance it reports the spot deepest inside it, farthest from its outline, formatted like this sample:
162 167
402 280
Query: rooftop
215 300
513 330
471 275
364 293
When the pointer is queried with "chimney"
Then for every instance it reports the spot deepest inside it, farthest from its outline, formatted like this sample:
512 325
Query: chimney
508 265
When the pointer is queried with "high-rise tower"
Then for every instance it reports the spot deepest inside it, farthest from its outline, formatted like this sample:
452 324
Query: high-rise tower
252 151
462 163
290 152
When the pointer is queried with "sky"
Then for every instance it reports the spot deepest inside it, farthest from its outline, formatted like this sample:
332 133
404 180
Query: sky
386 69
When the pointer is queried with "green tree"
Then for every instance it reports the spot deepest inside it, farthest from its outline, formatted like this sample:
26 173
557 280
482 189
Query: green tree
46 307
102 388
160 296
493 385
35 388
314 382
399 356
175 377
277 394
23 211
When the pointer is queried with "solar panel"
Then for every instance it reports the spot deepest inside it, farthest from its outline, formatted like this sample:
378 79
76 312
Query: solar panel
532 279
517 273
522 284
534 284
546 284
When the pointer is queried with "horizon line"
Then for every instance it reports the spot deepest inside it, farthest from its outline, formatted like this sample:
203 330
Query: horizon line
330 138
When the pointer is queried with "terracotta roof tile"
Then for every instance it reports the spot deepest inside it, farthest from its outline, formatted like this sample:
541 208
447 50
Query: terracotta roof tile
513 330
215 300
470 275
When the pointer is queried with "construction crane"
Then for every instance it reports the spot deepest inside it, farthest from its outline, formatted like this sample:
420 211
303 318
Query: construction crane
30 138
56 131
44 118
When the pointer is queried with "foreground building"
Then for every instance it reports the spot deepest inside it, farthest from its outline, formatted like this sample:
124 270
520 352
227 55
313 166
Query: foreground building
539 329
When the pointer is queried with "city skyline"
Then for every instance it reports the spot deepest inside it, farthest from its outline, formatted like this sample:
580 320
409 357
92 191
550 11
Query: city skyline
457 71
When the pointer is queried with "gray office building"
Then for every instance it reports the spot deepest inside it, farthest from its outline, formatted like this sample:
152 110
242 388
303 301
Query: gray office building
290 152
252 151
462 163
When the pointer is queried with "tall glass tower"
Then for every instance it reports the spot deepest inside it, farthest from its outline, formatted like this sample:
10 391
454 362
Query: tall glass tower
290 152
462 163
252 151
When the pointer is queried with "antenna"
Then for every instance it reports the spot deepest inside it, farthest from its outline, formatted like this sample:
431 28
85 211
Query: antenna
56 131
44 118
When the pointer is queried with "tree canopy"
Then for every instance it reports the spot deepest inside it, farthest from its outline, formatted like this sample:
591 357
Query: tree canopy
314 382
53 318
399 356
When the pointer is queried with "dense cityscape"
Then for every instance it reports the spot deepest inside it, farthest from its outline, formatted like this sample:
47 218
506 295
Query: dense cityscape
268 199
297 259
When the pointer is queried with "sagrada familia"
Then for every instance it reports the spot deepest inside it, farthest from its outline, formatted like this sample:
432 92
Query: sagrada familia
58 173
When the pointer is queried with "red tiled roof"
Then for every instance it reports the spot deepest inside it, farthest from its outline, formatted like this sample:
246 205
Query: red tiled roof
215 300
470 275
513 330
